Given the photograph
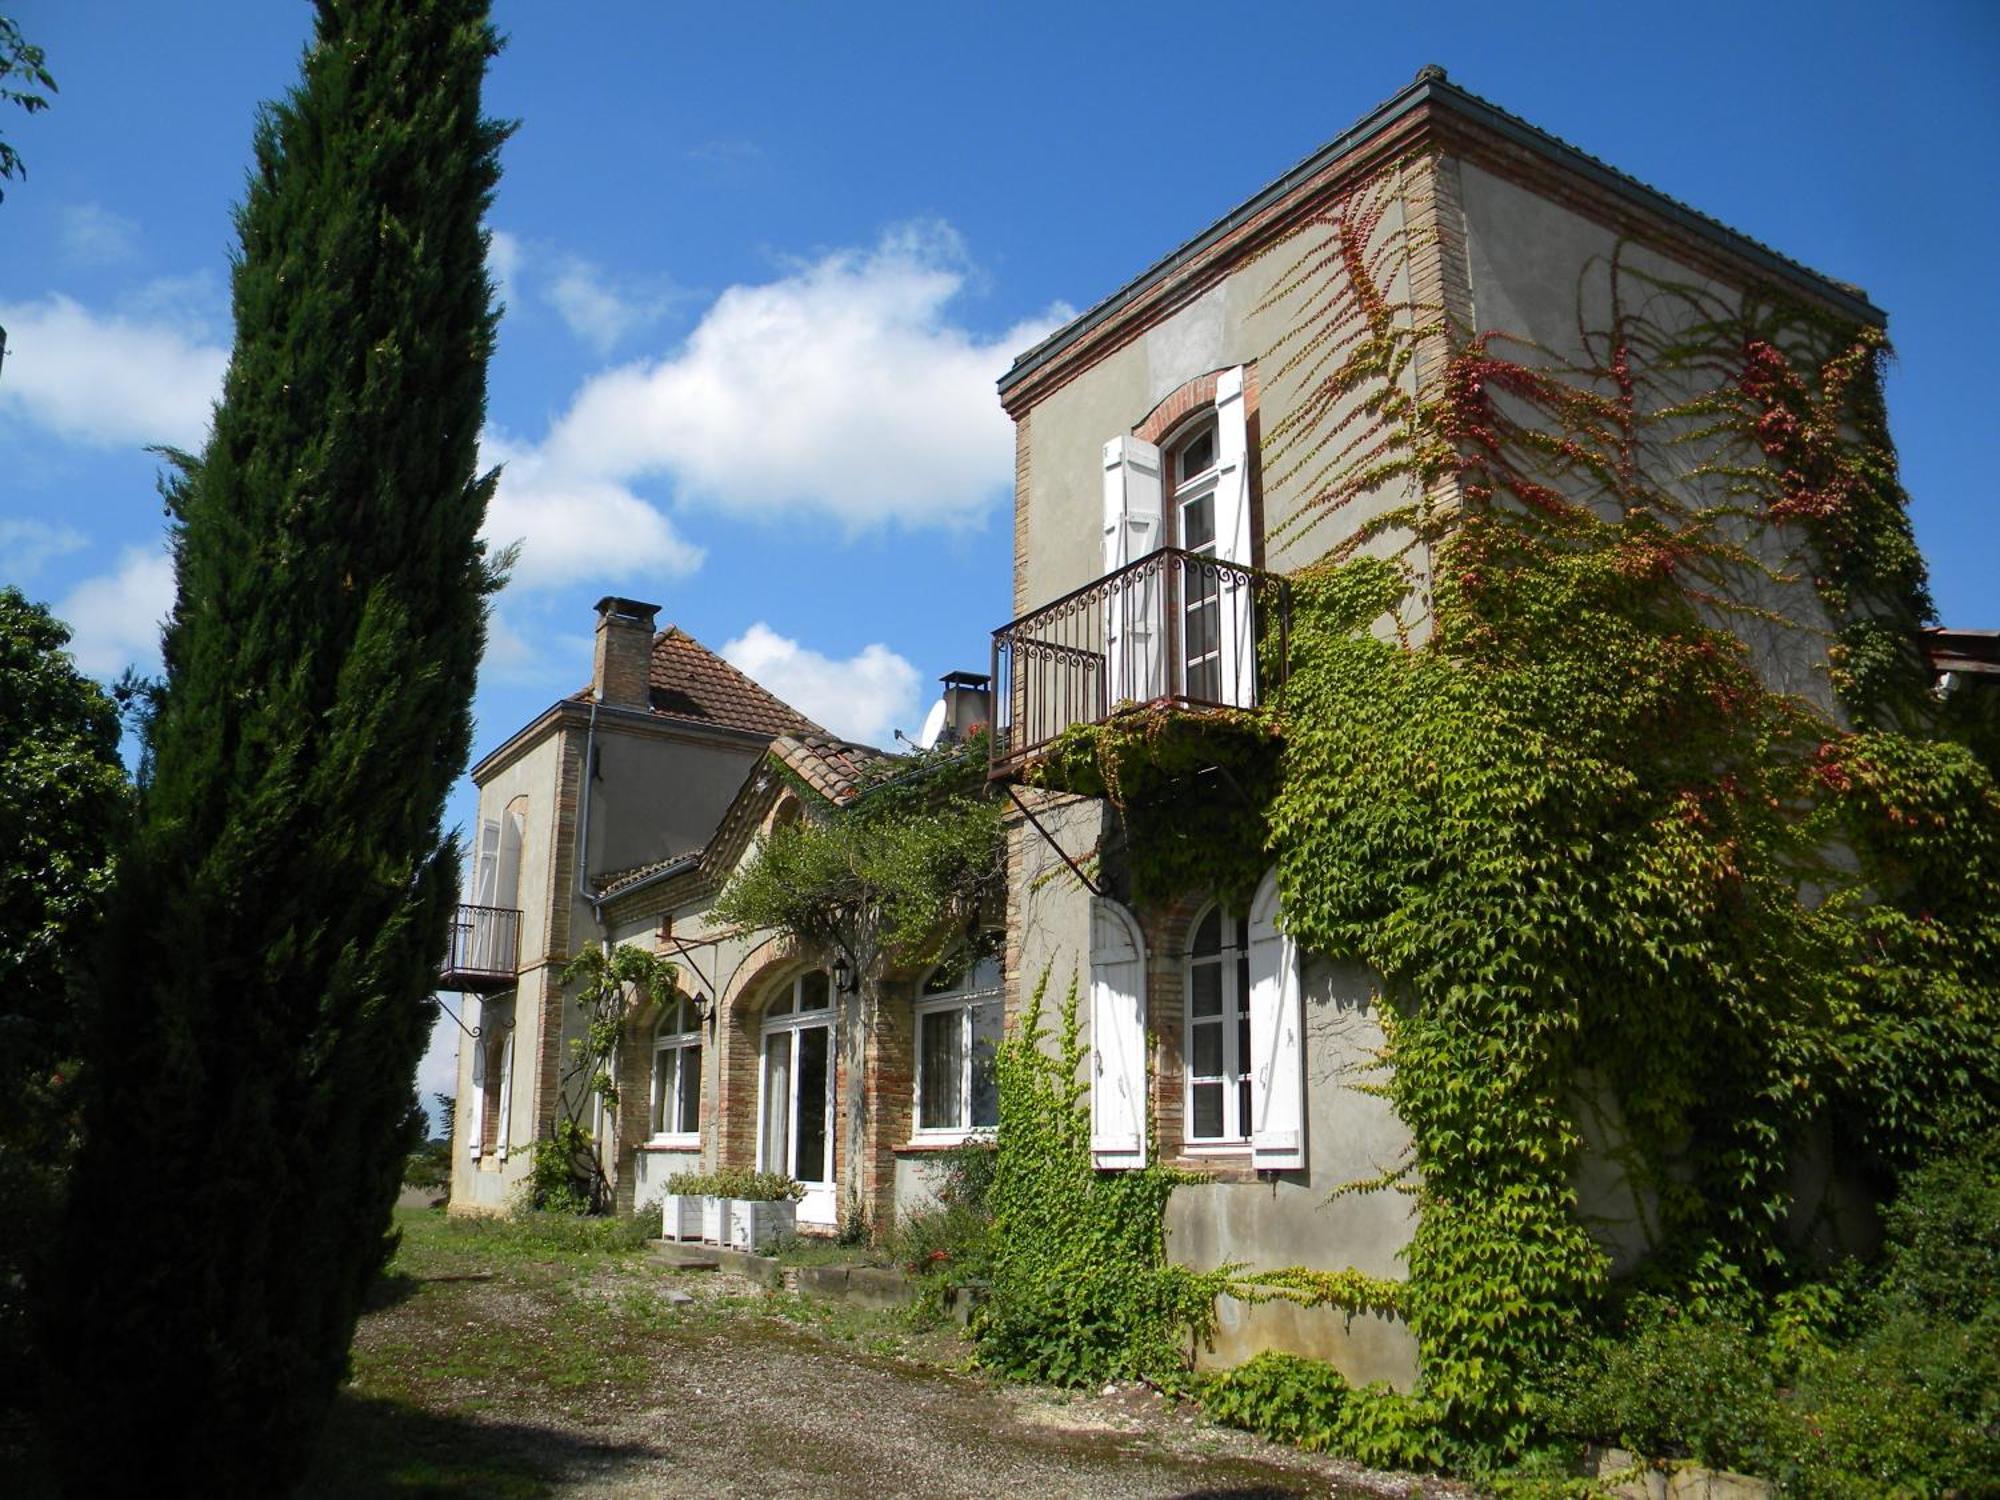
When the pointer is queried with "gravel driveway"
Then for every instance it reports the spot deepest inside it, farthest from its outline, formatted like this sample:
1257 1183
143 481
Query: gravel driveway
707 1392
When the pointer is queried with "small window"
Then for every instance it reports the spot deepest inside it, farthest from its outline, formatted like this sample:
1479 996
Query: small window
677 1071
959 1022
1218 1030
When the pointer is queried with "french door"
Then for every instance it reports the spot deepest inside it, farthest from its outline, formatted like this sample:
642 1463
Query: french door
796 1131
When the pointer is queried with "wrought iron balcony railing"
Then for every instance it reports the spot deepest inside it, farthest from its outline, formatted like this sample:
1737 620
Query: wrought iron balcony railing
484 951
1174 627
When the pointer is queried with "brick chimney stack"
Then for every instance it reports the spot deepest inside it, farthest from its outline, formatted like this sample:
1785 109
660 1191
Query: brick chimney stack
622 674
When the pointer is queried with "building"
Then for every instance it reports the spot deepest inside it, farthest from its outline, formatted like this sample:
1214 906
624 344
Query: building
1222 420
642 762
1183 447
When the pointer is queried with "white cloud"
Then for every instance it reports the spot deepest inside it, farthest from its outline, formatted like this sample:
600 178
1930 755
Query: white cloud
573 526
109 381
26 546
843 388
596 311
866 697
116 616
92 235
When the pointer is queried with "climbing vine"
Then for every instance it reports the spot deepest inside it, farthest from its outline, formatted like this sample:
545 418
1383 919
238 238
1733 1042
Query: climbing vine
1605 859
906 869
568 1175
1081 1290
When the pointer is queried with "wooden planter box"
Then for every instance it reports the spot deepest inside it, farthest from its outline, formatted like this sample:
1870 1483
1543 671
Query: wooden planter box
714 1220
680 1217
757 1226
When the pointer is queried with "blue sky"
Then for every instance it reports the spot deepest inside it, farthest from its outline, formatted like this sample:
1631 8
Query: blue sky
763 263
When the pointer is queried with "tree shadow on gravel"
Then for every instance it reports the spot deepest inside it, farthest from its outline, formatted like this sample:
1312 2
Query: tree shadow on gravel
379 1447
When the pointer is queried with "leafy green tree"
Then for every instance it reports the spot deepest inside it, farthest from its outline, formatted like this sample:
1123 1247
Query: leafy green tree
279 916
20 62
63 804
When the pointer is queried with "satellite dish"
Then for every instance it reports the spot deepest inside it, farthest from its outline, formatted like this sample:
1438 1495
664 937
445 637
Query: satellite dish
933 726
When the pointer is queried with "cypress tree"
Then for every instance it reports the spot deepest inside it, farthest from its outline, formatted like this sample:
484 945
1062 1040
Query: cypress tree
278 922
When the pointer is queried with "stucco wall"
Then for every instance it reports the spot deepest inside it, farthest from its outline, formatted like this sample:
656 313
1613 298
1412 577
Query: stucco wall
657 796
1555 282
1264 1224
1236 322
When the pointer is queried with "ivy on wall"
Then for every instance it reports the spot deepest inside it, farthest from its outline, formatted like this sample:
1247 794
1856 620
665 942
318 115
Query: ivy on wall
1534 776
1080 1287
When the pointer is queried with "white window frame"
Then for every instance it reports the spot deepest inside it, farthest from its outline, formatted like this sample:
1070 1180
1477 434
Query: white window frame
686 1037
1232 958
795 1018
1182 493
982 984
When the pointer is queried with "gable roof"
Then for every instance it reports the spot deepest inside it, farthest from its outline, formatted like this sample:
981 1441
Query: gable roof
693 685
1431 92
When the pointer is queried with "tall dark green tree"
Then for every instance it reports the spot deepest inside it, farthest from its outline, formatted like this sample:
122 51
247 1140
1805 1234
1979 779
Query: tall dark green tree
63 805
278 921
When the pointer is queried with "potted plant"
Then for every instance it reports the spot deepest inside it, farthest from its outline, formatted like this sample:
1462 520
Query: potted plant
741 1209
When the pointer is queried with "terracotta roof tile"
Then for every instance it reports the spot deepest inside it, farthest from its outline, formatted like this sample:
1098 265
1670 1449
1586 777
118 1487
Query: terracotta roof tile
836 769
692 683
610 882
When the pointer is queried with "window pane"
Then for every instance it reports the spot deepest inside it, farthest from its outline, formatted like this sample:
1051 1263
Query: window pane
1242 1043
941 1058
1198 455
778 1101
1205 989
1200 630
1198 524
690 1089
1208 936
1204 681
814 993
1207 1043
1207 1125
663 1087
811 1163
1243 1107
987 1024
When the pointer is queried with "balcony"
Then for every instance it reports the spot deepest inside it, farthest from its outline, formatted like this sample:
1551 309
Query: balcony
1174 628
484 950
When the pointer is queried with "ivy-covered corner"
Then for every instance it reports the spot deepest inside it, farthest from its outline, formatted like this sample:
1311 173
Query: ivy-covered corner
1081 1290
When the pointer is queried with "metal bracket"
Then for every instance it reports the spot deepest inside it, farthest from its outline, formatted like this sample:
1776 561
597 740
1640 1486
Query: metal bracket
475 1032
1014 796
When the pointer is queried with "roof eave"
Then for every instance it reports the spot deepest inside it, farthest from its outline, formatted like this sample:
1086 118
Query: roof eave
1432 88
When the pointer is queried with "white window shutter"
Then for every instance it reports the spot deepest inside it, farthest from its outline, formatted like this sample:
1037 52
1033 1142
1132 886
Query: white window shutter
1117 1038
506 1095
486 872
478 1079
507 884
1132 531
1277 1040
1232 540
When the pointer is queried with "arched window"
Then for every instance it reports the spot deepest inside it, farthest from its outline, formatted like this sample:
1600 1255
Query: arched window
959 1020
676 1111
1218 1030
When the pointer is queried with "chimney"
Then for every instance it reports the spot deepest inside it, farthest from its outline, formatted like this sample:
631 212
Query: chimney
622 674
968 705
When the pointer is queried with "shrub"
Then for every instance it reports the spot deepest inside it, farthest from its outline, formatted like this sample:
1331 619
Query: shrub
1677 1385
736 1182
1309 1403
